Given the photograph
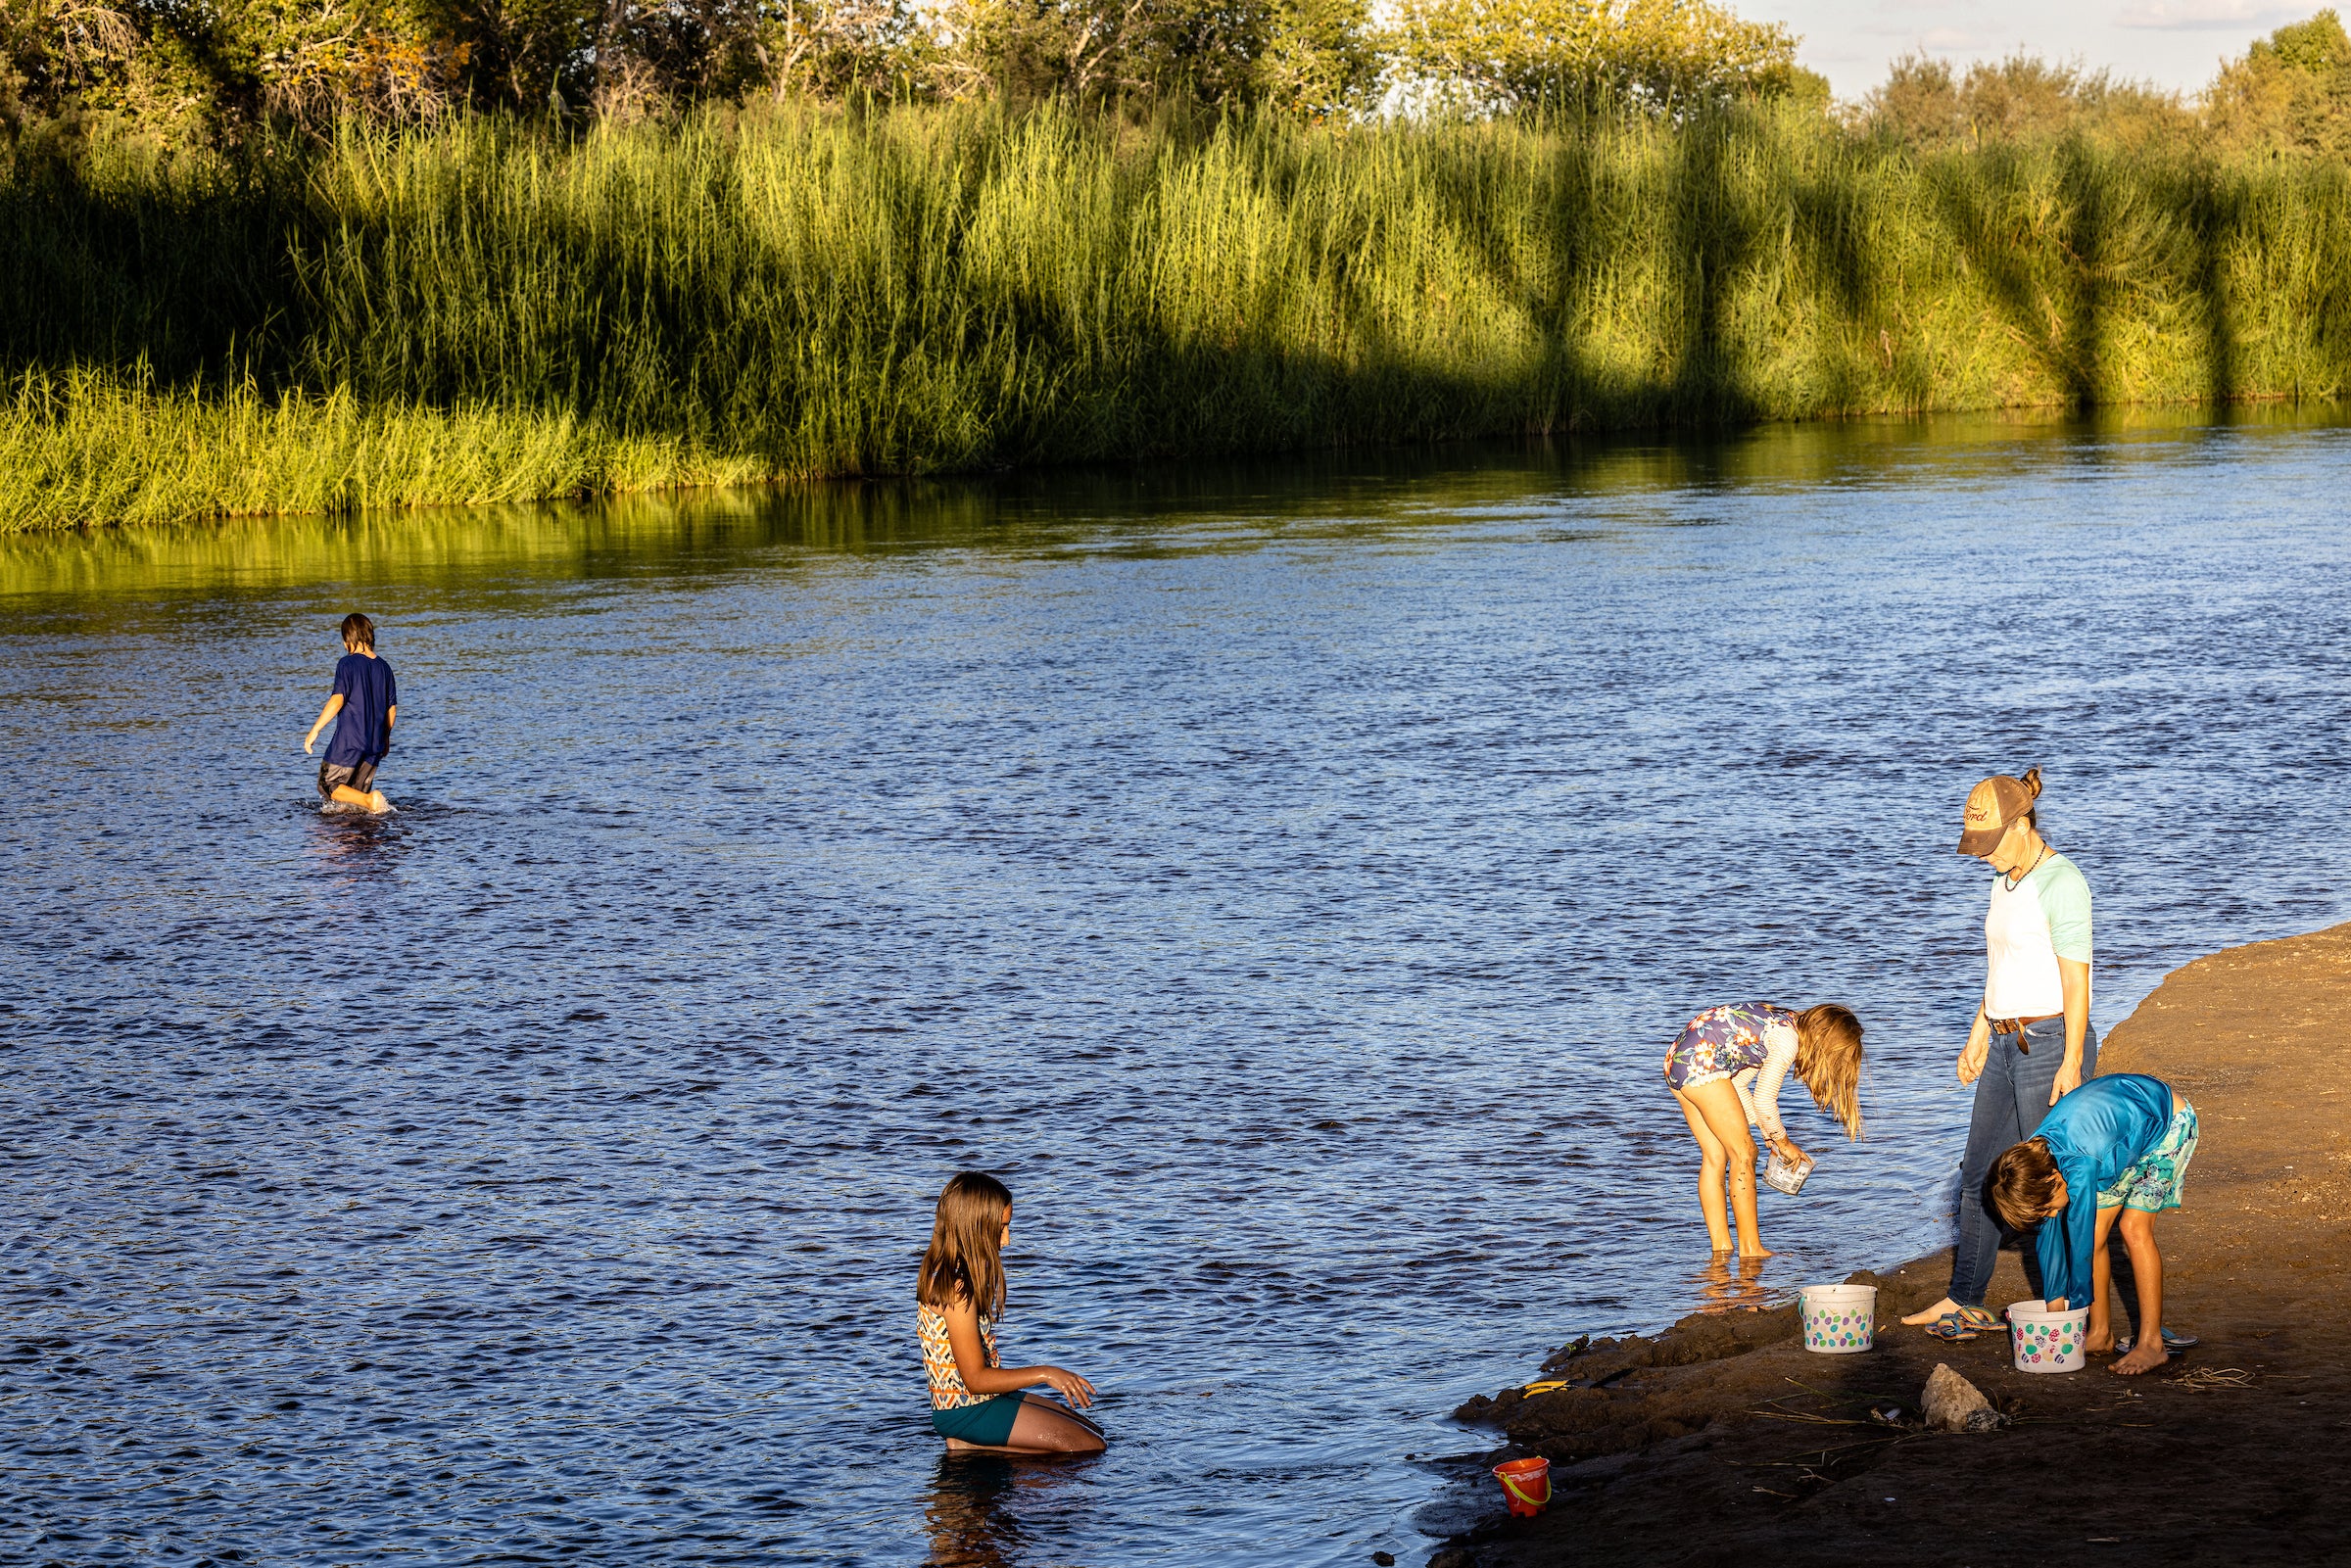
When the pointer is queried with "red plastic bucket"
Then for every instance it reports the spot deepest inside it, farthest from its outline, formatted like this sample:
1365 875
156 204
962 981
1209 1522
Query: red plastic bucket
1526 1483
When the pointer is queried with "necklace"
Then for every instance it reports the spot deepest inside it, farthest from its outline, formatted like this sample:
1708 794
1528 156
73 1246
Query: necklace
2018 880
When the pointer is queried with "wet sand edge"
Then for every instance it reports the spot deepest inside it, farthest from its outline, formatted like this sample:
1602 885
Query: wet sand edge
1722 1436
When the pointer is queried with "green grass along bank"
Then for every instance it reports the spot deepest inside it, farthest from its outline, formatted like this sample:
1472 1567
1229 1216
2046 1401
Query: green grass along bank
484 311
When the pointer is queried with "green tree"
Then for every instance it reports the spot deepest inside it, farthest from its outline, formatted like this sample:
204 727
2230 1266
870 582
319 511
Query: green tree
1315 57
1318 59
312 62
1491 55
1030 49
1923 102
51 51
831 48
2291 91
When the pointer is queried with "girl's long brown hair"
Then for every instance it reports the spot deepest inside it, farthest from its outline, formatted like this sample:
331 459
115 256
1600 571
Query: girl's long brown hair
966 1260
1828 1058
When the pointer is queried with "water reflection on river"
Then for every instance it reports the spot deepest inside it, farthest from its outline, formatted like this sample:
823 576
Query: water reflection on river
1286 876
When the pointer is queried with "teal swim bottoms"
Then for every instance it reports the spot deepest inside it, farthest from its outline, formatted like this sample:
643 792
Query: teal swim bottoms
2154 1183
990 1422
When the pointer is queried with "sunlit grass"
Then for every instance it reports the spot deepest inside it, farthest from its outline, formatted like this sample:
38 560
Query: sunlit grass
482 312
89 447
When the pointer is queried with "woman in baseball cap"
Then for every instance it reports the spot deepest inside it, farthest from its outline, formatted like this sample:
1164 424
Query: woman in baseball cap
2032 1040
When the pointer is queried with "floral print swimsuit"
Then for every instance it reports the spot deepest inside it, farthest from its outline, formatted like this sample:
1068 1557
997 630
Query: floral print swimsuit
1739 1041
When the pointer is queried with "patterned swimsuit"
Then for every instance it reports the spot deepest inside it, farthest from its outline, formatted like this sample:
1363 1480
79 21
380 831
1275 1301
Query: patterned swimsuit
1724 1042
948 1392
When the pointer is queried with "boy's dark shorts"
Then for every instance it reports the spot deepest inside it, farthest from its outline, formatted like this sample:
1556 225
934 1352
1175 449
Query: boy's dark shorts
331 775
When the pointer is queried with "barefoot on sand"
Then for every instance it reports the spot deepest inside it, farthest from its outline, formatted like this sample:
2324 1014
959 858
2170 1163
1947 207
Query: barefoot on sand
1946 1305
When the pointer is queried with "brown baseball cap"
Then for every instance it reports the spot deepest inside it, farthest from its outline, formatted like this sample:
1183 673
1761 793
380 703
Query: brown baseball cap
1995 804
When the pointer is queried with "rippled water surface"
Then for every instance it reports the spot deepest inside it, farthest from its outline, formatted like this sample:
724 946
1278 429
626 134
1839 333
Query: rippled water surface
1286 876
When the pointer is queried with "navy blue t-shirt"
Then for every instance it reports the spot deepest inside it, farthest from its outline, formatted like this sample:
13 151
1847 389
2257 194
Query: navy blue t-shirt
363 729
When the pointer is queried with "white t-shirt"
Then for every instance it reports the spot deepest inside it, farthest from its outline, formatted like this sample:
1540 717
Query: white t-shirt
2026 930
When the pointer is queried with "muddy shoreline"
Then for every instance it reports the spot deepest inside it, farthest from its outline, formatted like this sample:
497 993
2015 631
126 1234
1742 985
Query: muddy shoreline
1721 1437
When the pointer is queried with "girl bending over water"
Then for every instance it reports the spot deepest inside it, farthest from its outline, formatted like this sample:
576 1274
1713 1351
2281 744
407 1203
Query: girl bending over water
976 1402
1710 1066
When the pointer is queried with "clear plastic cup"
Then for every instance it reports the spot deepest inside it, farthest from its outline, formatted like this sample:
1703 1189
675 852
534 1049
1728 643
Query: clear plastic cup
1781 1177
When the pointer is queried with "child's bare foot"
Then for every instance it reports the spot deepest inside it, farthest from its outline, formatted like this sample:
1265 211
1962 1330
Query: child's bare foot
1946 1305
2099 1343
1755 1252
2144 1356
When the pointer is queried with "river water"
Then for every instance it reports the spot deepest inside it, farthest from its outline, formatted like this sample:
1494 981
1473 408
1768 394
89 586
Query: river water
1285 876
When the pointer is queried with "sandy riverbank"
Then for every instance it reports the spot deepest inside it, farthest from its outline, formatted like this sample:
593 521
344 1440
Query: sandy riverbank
1719 1439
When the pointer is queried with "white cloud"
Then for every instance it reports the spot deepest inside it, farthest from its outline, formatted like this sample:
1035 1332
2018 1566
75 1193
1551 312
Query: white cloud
1946 39
2204 15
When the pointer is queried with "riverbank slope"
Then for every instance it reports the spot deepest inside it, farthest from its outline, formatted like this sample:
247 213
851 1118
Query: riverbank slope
1722 1441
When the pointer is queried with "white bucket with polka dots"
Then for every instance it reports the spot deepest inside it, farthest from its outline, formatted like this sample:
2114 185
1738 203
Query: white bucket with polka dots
2043 1341
1838 1319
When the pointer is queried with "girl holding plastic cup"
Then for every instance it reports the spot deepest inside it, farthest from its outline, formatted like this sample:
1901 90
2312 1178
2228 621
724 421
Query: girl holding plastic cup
1711 1068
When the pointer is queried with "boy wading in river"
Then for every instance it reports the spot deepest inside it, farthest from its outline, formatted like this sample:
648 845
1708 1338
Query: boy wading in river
364 703
2111 1156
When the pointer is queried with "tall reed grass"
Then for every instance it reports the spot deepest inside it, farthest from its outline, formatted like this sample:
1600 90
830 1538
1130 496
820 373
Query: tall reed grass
481 311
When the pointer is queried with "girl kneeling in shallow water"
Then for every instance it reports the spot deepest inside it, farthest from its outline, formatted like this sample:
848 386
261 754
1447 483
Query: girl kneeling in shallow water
1710 1066
976 1402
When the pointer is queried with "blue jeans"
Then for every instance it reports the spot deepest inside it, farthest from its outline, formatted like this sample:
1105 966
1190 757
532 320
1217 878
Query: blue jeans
2012 1098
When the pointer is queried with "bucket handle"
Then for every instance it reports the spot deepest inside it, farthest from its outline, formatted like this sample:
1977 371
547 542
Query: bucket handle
1510 1484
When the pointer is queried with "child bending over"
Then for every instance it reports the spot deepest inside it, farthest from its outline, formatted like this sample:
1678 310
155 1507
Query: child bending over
976 1402
2110 1155
1709 1067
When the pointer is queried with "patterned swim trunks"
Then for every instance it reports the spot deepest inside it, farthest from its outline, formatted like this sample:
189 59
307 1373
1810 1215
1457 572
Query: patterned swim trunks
2153 1184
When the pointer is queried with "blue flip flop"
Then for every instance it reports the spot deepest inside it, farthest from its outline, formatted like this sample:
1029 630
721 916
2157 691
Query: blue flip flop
1963 1323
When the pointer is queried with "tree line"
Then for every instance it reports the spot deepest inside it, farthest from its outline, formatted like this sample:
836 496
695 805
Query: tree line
195 71
216 68
2289 93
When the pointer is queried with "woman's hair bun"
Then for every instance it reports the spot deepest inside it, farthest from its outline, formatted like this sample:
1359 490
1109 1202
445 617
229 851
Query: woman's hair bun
2032 782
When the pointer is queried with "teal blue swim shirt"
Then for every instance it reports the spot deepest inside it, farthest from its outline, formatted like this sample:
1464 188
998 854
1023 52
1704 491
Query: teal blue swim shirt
2094 1134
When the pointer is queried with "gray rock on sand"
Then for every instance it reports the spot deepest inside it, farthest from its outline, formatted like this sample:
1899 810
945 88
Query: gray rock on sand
1955 1405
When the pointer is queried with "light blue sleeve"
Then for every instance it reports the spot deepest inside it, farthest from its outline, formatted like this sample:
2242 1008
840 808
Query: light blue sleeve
2065 900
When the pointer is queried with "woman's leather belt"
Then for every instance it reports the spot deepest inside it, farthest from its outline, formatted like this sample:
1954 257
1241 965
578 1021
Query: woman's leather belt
2018 1027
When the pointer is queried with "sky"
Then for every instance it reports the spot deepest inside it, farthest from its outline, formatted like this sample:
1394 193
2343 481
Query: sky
2172 43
